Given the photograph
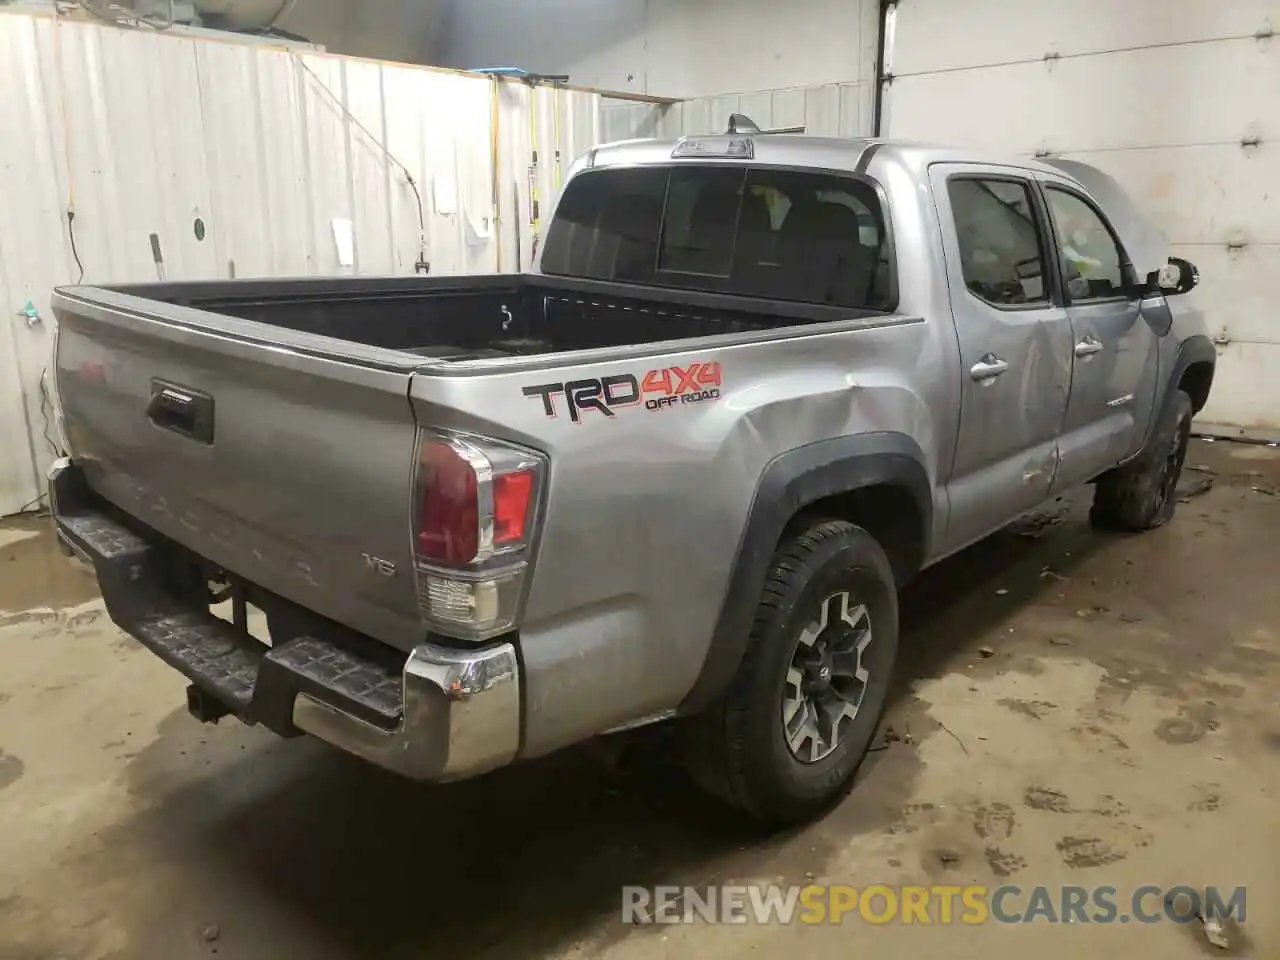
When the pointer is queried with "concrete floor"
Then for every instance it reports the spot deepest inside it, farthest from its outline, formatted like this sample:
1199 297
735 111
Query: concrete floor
1074 709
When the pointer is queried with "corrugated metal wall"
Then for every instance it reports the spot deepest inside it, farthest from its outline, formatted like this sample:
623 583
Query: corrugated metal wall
239 158
557 125
829 110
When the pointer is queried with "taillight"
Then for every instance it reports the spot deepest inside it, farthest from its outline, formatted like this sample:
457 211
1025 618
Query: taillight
512 505
475 510
449 509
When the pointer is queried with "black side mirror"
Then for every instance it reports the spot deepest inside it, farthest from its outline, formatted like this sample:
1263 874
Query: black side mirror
1176 276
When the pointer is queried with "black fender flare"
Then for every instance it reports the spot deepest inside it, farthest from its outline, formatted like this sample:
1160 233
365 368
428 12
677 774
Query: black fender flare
791 482
1197 348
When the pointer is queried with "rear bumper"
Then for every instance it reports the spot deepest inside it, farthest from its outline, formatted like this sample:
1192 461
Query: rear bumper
442 714
460 716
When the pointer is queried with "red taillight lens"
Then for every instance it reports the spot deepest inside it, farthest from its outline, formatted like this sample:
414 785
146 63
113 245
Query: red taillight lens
449 514
512 498
476 507
476 498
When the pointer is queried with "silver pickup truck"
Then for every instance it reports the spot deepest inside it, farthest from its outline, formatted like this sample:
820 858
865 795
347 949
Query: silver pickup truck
678 475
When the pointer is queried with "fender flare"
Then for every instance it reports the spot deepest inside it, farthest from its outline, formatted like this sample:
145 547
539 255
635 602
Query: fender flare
791 482
1197 348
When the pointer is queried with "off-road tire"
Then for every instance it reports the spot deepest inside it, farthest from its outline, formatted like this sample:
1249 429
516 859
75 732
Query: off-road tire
1142 495
737 750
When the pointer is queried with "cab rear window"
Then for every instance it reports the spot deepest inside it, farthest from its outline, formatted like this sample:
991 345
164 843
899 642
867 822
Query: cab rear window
776 234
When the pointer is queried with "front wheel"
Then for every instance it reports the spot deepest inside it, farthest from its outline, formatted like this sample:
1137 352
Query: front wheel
1142 495
789 734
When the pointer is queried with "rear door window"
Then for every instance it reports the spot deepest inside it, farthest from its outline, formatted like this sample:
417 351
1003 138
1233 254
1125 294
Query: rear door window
812 237
1002 253
778 234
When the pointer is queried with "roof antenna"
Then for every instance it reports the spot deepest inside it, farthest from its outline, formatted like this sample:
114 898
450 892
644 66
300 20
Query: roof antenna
741 123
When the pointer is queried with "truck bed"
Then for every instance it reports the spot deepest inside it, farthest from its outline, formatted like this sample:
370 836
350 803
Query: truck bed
270 427
484 317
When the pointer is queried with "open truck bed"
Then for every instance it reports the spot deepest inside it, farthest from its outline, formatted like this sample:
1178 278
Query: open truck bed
270 426
481 318
279 436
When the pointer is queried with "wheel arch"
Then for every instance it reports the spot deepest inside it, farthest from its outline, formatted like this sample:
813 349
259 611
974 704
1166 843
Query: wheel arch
1192 372
878 480
1196 380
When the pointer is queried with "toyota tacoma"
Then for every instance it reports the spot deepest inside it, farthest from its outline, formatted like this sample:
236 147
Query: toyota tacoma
676 475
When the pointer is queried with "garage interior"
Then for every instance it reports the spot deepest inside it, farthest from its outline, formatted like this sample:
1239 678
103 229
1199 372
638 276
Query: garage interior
1071 708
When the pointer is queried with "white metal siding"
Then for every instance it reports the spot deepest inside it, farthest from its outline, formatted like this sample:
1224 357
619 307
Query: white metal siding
1163 94
144 133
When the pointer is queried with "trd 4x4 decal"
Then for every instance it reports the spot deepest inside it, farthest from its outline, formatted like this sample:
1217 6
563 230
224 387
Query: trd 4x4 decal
659 389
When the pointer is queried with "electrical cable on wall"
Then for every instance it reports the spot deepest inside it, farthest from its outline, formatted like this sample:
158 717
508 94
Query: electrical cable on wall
45 403
66 142
71 235
422 265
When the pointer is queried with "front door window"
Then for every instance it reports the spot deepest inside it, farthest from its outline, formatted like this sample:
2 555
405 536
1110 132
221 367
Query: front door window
1091 260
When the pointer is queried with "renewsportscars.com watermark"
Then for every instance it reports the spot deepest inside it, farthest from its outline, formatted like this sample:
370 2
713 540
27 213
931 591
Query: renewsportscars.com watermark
969 905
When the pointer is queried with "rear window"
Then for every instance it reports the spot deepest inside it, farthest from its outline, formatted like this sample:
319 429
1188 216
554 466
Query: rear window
777 234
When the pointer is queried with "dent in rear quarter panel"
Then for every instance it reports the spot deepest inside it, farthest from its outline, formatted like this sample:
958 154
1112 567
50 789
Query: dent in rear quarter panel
646 509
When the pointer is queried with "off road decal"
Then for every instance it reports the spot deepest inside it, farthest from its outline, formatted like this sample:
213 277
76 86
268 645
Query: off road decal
661 389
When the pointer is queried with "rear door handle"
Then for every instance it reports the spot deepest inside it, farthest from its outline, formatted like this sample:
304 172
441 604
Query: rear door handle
1088 347
988 368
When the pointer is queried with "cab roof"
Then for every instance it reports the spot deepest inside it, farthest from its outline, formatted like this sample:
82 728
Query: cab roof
1143 241
784 149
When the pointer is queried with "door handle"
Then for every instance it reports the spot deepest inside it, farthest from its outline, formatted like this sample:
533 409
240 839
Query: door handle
1088 347
988 368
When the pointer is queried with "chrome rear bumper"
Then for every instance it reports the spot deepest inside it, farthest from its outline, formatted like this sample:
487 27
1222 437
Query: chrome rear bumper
461 716
459 711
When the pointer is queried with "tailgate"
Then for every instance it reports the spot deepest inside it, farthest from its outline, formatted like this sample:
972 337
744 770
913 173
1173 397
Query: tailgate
285 458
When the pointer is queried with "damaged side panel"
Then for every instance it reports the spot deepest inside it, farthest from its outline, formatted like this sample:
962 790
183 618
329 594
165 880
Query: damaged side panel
683 439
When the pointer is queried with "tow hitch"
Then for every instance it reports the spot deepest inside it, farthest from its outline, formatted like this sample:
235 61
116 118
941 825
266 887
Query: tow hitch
205 708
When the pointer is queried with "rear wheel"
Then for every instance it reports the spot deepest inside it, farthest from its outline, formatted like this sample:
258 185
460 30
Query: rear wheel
1142 495
788 735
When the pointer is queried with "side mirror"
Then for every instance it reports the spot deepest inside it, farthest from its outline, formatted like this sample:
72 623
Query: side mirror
1176 276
